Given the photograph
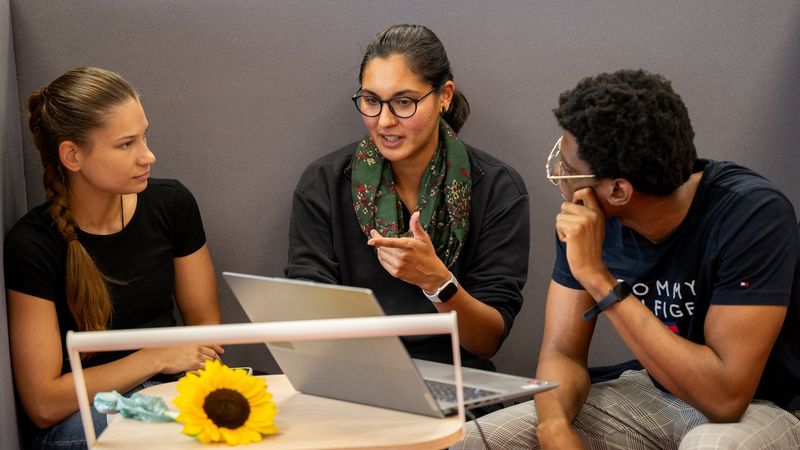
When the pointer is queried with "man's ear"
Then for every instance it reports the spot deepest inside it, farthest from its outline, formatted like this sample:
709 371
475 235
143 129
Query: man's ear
69 154
619 192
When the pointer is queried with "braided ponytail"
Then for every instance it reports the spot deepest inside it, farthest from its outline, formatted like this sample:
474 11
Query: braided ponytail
67 110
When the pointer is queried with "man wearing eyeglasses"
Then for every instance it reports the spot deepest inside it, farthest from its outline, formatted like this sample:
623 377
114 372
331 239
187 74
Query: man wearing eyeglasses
695 265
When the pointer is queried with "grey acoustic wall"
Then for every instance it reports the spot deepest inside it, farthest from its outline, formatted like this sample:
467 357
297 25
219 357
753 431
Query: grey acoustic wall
242 95
12 206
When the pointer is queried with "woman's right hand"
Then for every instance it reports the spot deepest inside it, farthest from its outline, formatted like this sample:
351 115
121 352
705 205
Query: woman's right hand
185 358
413 259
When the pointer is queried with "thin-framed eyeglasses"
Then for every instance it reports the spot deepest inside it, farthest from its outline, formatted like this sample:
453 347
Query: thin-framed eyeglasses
555 157
401 106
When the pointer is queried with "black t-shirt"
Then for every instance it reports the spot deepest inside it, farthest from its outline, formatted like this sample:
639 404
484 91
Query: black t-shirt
165 225
738 245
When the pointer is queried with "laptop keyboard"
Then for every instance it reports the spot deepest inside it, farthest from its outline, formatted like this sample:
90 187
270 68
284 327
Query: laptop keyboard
447 391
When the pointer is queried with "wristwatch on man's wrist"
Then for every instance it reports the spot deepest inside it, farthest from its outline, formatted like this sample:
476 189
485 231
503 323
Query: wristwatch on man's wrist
445 291
618 293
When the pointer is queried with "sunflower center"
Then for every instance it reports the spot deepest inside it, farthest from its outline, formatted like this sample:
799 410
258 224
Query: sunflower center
227 408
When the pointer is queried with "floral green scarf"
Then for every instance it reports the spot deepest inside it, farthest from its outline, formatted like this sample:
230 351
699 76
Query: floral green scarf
444 195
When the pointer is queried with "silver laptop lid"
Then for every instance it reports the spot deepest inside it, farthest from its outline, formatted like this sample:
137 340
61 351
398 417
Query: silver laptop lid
374 371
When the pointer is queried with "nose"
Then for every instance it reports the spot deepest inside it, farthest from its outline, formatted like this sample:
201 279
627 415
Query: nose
148 157
386 118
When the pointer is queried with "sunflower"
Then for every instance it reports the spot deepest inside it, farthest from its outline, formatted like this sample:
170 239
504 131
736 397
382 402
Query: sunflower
220 404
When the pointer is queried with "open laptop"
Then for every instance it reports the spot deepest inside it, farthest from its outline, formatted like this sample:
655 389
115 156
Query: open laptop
374 371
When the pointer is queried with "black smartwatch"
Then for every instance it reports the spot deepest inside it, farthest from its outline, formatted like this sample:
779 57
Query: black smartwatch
445 291
618 292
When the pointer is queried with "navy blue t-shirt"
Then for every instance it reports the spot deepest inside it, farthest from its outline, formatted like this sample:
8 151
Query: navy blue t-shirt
737 245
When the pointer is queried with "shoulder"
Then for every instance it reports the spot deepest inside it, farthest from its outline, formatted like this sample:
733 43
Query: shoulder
31 248
34 227
494 170
741 188
734 179
743 206
162 190
165 186
328 169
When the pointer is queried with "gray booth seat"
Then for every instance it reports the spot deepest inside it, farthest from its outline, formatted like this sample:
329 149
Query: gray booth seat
242 95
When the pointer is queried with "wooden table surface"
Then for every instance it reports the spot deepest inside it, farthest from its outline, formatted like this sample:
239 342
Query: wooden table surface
304 422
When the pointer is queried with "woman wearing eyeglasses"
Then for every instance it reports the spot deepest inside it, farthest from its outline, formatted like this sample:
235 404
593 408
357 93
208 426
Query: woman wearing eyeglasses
410 211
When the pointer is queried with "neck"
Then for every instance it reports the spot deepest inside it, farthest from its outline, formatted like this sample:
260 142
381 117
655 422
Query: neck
95 211
655 217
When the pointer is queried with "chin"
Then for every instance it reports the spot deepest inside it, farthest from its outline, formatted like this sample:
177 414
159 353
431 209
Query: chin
138 187
393 155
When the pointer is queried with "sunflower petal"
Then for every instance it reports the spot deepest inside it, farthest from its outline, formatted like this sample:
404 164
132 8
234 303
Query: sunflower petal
193 393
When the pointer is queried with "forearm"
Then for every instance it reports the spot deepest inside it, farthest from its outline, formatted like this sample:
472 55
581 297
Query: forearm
196 288
707 383
480 326
209 315
564 403
57 400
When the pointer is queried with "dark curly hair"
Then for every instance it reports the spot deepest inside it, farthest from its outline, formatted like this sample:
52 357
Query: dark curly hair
631 124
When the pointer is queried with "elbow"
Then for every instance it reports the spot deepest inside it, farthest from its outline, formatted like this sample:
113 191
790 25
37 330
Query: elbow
489 348
482 349
728 411
44 411
42 416
485 354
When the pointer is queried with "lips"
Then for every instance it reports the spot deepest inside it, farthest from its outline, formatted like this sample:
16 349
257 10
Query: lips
143 176
391 140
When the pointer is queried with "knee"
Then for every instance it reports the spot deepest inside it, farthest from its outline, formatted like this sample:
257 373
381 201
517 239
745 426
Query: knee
509 428
710 436
472 439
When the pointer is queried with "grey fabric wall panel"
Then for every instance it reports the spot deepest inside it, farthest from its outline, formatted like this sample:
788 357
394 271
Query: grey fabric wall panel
242 95
12 206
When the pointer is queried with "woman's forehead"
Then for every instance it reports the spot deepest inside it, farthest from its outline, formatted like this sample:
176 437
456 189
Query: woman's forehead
391 76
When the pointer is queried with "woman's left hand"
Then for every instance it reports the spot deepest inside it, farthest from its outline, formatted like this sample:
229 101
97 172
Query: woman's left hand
413 259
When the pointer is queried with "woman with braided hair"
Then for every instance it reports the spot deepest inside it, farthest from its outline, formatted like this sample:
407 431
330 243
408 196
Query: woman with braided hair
109 249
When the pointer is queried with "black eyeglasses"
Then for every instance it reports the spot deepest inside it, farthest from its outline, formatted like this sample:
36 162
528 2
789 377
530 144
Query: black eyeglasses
402 107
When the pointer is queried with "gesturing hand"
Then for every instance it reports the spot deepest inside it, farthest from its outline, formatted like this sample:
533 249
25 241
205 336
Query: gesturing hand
581 225
413 259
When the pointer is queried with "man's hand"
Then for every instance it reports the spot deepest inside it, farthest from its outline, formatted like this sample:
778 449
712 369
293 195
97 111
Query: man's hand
413 259
581 225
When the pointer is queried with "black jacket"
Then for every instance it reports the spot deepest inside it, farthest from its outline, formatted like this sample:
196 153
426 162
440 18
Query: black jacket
327 245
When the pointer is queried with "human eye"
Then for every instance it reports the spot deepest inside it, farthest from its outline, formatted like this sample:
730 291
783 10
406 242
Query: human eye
563 168
125 145
370 100
402 101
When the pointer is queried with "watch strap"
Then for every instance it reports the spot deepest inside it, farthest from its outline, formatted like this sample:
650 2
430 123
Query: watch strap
617 293
445 291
